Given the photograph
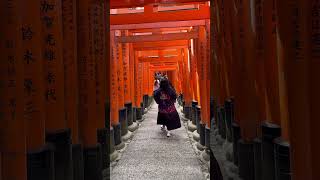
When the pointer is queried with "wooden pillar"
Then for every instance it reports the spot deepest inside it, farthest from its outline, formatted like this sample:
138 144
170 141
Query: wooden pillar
51 19
193 73
126 69
260 60
114 114
313 18
12 127
119 58
247 104
99 54
100 62
132 74
87 88
186 77
293 24
52 56
202 69
137 81
34 94
69 20
88 116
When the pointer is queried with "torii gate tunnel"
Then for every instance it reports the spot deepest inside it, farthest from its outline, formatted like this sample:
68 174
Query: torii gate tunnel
76 76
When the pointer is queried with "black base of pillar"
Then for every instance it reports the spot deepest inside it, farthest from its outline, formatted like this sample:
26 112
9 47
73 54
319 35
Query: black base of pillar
187 112
117 134
142 107
198 117
215 171
183 104
211 107
236 136
139 113
246 160
129 113
257 158
145 101
269 133
202 134
207 136
221 122
62 154
228 119
111 144
282 159
193 112
103 141
40 164
134 114
78 166
92 163
123 121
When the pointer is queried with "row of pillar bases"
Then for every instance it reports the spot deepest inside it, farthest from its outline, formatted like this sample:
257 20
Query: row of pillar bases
128 117
60 159
266 157
63 160
200 132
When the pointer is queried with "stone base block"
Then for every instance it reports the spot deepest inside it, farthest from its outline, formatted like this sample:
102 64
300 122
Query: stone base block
200 147
205 156
196 136
114 156
133 127
127 136
119 146
191 127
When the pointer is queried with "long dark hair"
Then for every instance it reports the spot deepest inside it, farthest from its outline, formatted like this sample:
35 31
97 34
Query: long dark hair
166 86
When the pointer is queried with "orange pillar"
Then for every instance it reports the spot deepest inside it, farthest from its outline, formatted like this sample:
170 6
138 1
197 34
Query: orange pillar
314 87
12 126
271 62
126 69
53 65
294 47
247 102
34 92
186 82
203 74
218 87
70 67
138 79
120 73
87 87
34 99
132 74
98 49
193 73
114 114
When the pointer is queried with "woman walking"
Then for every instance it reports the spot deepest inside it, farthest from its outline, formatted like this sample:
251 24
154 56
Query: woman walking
168 116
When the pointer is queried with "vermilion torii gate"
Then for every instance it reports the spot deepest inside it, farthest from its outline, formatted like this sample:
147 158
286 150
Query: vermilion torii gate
69 70
171 49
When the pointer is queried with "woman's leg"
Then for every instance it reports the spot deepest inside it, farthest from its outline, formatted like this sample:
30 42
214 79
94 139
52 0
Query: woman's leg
168 133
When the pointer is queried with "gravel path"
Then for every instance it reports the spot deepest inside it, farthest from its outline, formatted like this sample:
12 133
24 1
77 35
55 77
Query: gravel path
152 156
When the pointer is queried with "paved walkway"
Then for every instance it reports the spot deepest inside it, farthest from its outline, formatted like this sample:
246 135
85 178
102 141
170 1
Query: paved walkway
152 156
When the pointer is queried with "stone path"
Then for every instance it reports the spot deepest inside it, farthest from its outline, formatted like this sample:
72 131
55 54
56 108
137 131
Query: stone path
152 156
